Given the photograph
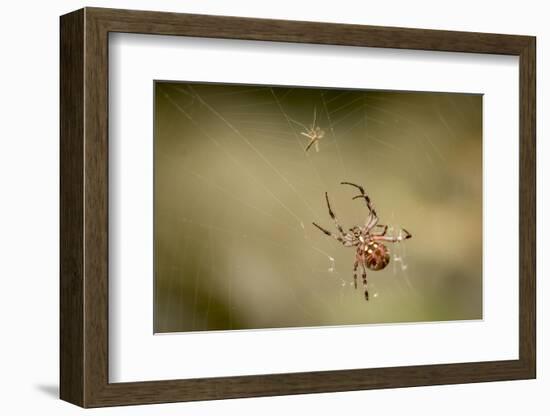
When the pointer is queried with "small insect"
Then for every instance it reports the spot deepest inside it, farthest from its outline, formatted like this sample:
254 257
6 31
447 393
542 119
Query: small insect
371 252
314 133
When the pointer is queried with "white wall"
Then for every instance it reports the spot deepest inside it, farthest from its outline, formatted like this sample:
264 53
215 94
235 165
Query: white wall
29 205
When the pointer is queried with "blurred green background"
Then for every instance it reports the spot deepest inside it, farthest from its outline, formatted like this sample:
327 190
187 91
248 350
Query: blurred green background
235 195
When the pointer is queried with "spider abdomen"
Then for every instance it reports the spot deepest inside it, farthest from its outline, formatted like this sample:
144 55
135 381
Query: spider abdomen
377 255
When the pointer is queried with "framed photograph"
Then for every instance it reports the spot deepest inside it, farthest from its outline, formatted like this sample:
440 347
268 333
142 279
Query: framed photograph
254 207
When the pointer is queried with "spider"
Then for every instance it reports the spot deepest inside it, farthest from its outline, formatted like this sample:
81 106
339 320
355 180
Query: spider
314 133
371 253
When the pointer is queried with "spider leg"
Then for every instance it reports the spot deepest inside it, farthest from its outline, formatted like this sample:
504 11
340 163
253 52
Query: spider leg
364 276
392 239
327 232
355 265
369 204
371 221
383 232
373 217
334 216
357 186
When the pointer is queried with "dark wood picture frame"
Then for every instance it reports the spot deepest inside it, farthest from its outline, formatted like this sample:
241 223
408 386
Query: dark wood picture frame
84 207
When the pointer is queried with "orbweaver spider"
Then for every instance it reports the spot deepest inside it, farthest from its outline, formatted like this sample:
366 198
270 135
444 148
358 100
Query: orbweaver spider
371 253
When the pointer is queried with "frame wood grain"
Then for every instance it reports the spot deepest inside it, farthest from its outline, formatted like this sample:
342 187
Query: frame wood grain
84 207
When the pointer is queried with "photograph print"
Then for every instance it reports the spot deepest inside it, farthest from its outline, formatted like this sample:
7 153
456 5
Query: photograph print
293 207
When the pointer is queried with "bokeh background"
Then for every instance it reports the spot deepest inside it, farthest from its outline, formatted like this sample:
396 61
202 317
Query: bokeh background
235 195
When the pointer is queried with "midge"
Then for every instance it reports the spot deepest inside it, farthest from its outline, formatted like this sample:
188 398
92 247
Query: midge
371 253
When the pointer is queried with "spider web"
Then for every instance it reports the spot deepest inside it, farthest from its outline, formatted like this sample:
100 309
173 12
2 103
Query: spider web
252 185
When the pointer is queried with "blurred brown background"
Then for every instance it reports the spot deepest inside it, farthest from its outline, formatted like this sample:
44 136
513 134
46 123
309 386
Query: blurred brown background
235 195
